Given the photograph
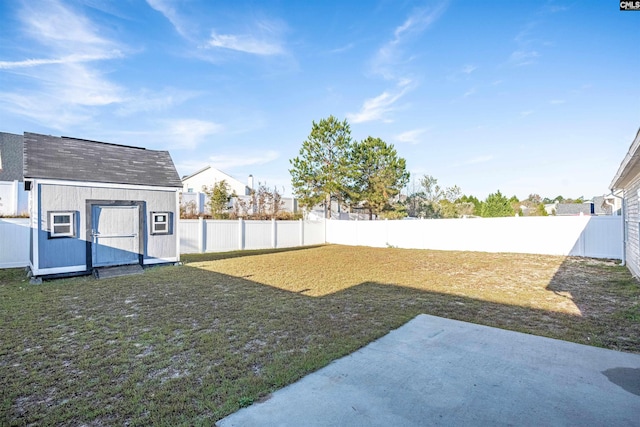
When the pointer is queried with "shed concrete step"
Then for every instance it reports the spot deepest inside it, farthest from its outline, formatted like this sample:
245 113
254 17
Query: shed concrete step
119 270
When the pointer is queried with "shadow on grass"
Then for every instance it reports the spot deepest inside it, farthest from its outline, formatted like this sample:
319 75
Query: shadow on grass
608 299
185 345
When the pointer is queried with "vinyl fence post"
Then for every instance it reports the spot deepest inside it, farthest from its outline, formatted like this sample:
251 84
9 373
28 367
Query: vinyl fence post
202 235
301 232
386 231
274 243
240 234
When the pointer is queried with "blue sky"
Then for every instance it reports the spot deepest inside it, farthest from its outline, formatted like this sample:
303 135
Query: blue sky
520 96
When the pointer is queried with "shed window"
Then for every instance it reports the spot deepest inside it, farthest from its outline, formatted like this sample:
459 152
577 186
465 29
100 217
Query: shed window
160 222
61 224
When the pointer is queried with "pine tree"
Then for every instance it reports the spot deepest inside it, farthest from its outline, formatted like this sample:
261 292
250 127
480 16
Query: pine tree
378 175
321 171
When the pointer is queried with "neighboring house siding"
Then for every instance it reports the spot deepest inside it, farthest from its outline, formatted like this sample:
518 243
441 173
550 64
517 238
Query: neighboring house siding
211 176
627 180
632 219
63 252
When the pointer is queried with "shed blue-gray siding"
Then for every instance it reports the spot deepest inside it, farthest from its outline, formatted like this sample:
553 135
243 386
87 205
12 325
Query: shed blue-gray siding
72 251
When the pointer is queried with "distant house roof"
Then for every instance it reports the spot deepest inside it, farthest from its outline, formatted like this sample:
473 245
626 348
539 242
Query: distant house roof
206 168
629 168
574 209
11 147
72 159
600 207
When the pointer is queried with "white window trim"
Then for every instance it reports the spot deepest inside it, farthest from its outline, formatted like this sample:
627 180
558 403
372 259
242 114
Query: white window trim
71 224
155 223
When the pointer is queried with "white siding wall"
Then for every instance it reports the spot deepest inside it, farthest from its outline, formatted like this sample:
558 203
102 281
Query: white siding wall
209 178
632 218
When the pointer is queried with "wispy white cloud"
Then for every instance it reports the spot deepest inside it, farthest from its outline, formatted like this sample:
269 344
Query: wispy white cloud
484 158
61 28
557 101
526 113
520 58
529 41
189 133
147 101
42 108
469 92
386 63
68 59
464 72
61 95
410 136
166 8
390 55
245 43
468 69
378 107
342 48
226 162
262 37
479 159
67 82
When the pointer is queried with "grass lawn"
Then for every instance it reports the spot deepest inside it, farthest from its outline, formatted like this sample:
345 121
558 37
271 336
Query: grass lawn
189 345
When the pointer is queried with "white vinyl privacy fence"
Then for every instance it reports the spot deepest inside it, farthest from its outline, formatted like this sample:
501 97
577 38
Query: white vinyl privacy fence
597 237
587 236
14 242
198 235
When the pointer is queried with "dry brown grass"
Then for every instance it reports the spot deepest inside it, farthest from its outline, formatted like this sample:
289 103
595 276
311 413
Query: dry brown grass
189 345
558 291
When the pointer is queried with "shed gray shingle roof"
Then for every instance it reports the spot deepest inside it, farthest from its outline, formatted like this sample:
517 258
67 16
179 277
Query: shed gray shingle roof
80 160
10 157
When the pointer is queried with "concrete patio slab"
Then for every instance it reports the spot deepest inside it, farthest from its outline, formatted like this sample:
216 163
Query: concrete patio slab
435 371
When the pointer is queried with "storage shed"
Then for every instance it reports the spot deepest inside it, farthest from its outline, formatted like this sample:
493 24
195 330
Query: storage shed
95 204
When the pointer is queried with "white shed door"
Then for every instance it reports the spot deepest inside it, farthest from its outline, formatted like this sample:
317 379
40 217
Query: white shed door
115 231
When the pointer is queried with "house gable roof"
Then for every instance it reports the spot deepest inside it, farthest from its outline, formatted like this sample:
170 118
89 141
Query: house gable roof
629 168
71 159
209 170
11 148
574 209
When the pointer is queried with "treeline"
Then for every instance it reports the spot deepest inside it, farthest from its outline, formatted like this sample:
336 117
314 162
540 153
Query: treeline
334 171
427 199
